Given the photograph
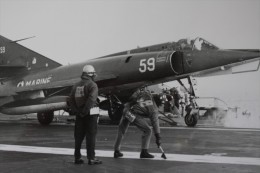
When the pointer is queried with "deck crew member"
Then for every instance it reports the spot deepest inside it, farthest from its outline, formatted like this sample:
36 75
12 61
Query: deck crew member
83 98
140 107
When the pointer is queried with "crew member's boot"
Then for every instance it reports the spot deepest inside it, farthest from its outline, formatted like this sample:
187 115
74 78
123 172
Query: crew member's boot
145 154
94 161
118 154
78 161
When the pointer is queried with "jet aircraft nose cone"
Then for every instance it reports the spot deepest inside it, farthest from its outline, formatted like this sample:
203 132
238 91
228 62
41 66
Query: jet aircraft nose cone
233 56
245 54
203 60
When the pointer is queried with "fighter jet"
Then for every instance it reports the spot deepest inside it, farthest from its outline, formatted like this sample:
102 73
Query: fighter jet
33 83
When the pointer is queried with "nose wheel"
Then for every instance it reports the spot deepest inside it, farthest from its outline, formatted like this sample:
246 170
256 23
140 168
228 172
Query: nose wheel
191 118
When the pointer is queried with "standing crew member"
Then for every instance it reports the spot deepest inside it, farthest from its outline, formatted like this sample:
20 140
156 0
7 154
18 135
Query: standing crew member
140 107
83 97
176 96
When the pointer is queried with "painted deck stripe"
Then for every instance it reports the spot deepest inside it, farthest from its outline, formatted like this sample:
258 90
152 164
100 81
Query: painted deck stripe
135 155
214 129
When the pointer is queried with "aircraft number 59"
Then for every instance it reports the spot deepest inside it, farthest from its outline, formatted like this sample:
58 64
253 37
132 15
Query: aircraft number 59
147 64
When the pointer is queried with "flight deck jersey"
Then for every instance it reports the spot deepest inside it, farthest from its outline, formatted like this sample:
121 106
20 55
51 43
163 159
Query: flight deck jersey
84 95
142 104
80 96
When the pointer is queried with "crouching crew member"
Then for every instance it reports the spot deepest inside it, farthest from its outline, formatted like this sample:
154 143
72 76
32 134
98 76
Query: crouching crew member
140 107
83 97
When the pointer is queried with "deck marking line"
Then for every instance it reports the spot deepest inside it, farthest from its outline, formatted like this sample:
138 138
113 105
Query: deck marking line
135 155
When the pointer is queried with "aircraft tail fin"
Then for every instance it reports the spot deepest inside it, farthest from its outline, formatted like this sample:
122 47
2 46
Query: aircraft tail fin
15 58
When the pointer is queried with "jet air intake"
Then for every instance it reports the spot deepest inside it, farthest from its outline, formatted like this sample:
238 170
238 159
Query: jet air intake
176 61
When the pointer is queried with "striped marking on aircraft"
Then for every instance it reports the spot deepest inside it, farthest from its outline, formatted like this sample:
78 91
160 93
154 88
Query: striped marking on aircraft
135 155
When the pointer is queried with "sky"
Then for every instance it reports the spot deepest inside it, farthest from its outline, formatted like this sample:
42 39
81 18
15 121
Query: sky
71 31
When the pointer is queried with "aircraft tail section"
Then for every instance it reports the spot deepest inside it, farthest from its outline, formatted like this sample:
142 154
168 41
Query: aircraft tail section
15 59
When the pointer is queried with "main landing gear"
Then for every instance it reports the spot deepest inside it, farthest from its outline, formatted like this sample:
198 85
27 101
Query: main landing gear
45 118
114 107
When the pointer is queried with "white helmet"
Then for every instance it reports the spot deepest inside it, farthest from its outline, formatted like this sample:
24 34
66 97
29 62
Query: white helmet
89 69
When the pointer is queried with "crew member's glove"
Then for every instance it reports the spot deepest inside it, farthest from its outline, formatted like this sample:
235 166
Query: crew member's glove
158 139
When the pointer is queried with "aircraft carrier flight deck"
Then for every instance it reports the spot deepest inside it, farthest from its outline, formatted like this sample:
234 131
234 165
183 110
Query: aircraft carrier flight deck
26 146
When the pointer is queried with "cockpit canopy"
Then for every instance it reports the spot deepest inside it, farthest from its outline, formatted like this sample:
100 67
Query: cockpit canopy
196 44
